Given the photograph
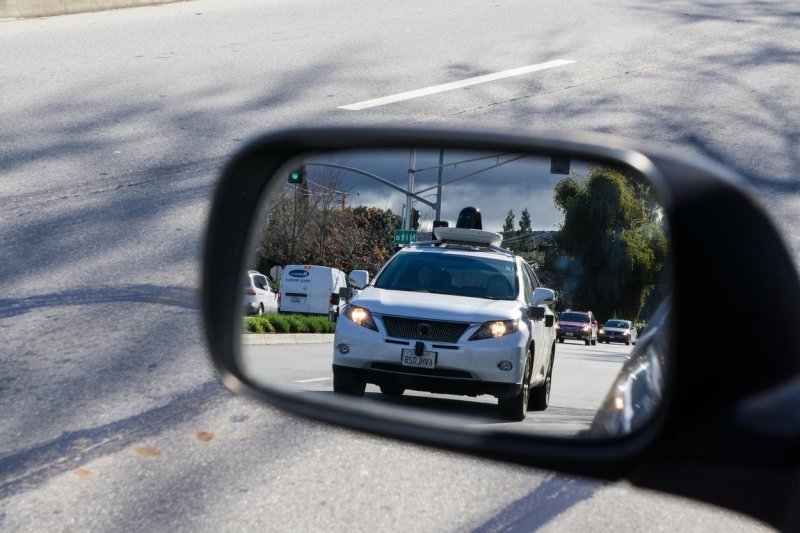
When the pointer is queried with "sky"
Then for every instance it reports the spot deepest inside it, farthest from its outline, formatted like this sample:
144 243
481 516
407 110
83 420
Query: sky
494 183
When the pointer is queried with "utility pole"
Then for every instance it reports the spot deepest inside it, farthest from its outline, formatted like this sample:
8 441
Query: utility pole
411 163
439 186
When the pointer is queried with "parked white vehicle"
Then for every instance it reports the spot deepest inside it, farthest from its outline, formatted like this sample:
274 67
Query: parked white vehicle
308 289
260 297
459 315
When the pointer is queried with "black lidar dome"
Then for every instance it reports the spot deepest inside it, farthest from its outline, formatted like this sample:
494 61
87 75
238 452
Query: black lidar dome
470 218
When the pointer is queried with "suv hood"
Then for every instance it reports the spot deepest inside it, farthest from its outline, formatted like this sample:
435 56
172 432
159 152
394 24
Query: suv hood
433 306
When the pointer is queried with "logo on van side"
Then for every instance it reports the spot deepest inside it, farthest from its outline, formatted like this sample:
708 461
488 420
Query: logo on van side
299 273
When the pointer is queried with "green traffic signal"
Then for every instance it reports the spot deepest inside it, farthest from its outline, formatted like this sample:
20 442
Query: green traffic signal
297 176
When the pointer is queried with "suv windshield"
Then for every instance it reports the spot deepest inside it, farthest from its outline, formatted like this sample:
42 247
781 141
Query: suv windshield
574 317
459 275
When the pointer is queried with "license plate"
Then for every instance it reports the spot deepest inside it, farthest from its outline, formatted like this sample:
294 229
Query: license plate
568 334
295 299
426 360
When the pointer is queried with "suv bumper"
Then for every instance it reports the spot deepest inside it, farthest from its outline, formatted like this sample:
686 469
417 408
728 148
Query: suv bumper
435 381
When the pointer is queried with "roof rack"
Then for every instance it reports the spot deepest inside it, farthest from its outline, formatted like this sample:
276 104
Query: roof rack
461 245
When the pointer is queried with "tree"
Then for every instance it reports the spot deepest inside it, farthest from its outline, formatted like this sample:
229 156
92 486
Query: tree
508 227
524 234
614 241
525 223
316 227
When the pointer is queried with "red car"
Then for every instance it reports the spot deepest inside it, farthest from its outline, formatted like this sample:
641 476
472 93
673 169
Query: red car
577 325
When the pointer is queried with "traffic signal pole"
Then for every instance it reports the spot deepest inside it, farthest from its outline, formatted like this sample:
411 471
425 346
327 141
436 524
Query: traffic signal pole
412 158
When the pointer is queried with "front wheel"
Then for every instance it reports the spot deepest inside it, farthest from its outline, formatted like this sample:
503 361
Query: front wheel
392 390
540 396
349 386
516 407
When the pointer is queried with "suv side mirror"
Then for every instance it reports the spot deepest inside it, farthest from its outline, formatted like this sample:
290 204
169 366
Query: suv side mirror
359 278
345 293
542 296
536 313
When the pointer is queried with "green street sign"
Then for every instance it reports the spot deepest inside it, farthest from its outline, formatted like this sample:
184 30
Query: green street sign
405 236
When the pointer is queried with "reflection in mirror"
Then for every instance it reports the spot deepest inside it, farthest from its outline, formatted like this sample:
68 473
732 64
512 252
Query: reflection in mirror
501 290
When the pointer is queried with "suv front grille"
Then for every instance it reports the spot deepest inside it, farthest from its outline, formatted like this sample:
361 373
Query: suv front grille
424 330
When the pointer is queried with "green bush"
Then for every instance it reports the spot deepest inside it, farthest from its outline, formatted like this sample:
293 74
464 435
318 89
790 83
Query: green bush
298 325
320 324
258 324
283 323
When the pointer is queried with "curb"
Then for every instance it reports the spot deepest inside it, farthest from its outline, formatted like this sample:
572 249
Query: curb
286 338
47 8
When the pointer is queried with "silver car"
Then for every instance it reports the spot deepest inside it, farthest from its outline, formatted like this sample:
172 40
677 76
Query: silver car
618 331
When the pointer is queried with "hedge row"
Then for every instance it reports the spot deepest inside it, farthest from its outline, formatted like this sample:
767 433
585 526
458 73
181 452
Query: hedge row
282 323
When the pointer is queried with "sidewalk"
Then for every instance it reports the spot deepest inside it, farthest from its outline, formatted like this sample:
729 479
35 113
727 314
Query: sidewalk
46 8
287 338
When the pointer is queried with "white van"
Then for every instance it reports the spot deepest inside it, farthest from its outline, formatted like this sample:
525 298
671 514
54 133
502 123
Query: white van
308 288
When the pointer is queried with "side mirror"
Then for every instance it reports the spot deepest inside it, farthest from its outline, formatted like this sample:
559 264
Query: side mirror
536 313
549 320
345 293
542 296
680 405
359 278
335 297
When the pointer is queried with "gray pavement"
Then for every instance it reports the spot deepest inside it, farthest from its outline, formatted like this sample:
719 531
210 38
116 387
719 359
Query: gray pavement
48 8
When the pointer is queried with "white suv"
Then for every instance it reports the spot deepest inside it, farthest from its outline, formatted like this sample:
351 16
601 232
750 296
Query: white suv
260 297
458 315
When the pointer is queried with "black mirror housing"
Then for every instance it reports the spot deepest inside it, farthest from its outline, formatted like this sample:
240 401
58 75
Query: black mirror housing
702 424
536 312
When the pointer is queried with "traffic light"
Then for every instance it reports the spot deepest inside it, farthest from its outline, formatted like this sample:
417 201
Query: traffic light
297 176
559 165
414 219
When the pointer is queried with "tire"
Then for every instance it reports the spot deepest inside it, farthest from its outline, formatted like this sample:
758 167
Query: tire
516 407
561 340
594 342
349 386
588 342
392 390
260 310
627 343
540 396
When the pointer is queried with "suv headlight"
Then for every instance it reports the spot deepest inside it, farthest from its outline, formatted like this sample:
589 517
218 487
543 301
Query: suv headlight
361 316
494 329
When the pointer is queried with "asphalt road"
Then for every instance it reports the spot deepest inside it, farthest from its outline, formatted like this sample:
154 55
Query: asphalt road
115 126
582 376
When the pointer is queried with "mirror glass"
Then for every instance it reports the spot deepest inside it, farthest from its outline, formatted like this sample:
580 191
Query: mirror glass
497 290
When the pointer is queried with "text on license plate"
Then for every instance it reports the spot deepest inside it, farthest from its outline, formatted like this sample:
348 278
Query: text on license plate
294 299
426 360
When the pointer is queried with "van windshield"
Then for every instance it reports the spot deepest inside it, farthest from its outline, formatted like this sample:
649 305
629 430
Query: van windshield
459 275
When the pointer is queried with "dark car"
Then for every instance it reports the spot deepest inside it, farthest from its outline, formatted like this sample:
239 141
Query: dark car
578 326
